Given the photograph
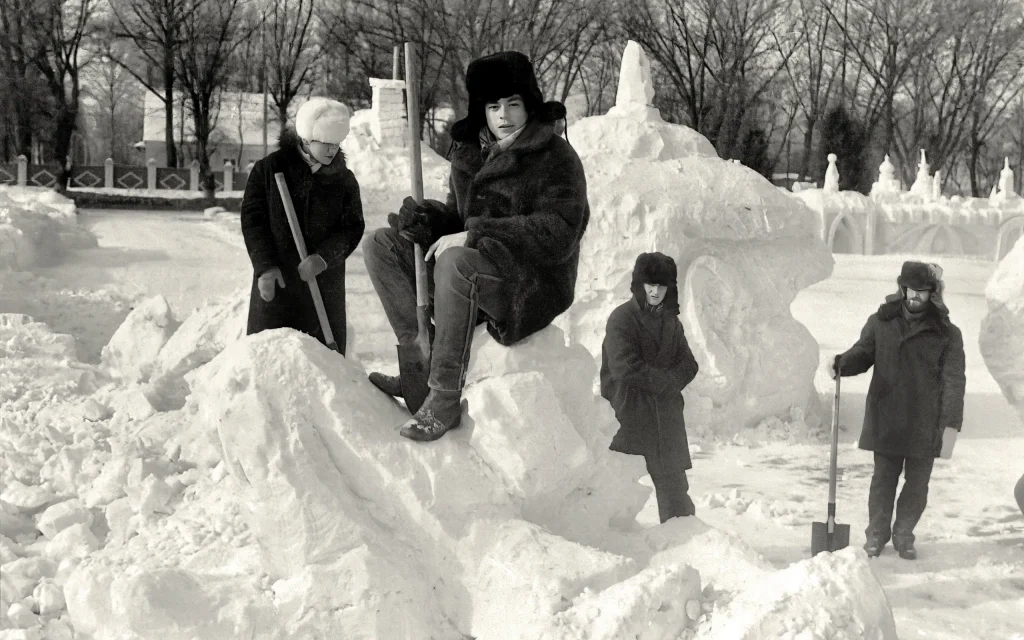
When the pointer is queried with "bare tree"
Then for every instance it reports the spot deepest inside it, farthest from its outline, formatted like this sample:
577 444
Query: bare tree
292 49
888 38
210 36
155 28
17 60
811 72
60 28
115 91
719 57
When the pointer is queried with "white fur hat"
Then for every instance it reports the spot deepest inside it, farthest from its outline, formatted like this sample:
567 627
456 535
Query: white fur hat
323 120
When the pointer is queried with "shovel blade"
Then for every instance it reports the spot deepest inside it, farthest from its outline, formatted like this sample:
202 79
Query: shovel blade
414 370
820 540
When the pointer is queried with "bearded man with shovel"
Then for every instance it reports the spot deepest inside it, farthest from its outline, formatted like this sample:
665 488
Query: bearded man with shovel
915 402
503 249
303 196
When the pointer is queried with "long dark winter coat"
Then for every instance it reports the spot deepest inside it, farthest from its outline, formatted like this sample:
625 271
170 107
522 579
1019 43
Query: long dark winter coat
526 210
646 363
330 215
917 388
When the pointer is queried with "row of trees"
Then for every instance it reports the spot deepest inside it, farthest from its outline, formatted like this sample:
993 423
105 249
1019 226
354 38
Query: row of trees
757 77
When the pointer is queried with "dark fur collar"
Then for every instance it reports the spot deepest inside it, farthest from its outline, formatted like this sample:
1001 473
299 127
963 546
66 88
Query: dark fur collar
289 143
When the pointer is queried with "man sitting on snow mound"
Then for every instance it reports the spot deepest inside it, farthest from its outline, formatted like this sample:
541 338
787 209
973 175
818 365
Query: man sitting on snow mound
505 246
915 403
330 213
646 363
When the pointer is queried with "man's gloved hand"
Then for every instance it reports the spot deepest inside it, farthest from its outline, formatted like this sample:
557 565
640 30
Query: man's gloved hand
415 222
311 267
266 283
835 367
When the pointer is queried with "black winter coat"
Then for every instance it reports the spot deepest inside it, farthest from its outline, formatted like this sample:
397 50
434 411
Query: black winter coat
646 363
330 215
525 210
917 388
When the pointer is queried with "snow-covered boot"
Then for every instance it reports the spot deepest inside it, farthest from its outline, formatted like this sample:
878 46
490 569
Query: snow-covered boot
441 412
874 548
906 550
391 385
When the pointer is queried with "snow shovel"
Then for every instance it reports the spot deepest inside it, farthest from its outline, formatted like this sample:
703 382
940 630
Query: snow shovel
414 359
829 536
300 244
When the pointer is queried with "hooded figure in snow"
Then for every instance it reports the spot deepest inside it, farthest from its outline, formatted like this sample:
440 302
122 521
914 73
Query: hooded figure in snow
503 249
646 363
915 402
330 214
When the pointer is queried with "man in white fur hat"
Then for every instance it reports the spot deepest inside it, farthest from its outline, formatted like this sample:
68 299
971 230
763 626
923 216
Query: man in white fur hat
330 213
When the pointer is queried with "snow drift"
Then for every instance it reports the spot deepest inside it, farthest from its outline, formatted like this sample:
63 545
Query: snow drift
743 247
37 227
1002 331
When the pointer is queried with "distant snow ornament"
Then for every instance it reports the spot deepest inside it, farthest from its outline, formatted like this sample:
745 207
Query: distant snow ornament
635 94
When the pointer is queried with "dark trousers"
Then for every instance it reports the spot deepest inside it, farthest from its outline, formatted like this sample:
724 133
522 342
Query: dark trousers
671 489
461 283
912 501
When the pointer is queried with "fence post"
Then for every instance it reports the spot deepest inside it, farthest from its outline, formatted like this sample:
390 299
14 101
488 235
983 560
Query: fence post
193 176
151 174
229 176
22 170
108 173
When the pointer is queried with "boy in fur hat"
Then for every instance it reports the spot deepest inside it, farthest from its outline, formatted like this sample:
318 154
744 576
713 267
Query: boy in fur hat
646 363
915 402
503 249
330 213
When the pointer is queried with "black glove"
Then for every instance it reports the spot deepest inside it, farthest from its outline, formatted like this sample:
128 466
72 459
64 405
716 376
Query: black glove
835 366
415 222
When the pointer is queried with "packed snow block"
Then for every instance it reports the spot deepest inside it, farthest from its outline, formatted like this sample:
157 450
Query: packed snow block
519 575
134 347
1001 339
655 603
12 523
743 247
724 561
167 603
203 334
37 228
833 593
322 472
61 516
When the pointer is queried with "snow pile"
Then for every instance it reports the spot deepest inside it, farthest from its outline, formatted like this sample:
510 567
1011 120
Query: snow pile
833 596
138 341
37 227
743 248
384 172
1002 331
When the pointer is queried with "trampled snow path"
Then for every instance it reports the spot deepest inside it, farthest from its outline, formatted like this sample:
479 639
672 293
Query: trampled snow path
969 580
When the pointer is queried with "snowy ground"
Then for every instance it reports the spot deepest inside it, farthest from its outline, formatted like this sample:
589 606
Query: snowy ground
969 579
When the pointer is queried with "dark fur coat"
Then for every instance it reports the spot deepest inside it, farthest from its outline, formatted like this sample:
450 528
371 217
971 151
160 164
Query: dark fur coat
646 362
917 388
330 214
525 210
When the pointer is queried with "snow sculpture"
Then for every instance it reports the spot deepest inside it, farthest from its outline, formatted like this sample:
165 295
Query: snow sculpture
832 175
887 182
1005 190
388 112
923 183
1002 331
635 95
744 249
937 185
